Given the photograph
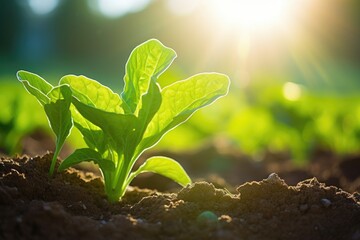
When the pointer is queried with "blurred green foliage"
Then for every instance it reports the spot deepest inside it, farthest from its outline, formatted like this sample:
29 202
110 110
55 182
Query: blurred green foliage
255 119
19 115
262 117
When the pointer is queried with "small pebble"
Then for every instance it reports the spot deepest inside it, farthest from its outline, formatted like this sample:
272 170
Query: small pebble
303 207
140 220
326 202
207 217
47 207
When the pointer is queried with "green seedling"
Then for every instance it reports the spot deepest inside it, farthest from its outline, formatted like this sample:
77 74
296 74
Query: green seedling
56 102
119 128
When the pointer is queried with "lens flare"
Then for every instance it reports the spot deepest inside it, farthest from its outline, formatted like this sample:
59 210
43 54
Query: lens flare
251 14
117 8
292 91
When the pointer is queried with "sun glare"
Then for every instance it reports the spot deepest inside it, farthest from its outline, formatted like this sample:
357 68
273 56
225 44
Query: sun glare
251 14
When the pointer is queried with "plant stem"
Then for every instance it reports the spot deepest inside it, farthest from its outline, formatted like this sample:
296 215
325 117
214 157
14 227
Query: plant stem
53 161
114 190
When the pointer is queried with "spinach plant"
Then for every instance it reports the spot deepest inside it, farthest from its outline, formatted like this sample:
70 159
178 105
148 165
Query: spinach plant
119 128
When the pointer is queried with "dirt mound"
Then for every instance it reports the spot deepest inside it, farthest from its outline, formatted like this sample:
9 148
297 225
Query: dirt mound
72 205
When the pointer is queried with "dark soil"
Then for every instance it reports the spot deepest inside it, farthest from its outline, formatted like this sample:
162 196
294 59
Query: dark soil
72 205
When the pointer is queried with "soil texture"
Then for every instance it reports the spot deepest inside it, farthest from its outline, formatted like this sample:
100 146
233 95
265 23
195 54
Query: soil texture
72 205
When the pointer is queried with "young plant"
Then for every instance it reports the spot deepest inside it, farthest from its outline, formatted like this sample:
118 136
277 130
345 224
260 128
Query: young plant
119 128
56 102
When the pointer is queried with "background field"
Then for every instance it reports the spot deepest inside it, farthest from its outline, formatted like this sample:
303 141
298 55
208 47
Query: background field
295 85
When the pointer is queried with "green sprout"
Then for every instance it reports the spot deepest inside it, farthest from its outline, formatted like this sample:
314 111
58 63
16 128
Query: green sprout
56 102
119 128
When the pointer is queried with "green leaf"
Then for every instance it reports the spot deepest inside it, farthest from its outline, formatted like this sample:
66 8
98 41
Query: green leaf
166 167
92 134
146 62
180 100
35 80
59 115
116 127
87 155
93 93
90 92
58 111
151 103
35 85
